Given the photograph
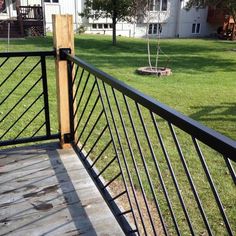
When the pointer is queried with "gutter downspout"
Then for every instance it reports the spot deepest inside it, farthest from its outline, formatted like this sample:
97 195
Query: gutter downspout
9 8
44 17
76 15
178 18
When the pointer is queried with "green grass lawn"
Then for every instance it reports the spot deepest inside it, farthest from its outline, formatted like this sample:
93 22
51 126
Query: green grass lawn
203 84
203 87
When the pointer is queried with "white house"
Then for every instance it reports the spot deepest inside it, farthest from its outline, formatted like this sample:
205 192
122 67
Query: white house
72 7
169 16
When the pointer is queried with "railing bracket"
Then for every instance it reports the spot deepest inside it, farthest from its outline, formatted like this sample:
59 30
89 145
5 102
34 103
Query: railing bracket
68 138
62 53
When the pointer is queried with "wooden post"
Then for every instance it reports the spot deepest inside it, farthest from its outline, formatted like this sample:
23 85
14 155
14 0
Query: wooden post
63 37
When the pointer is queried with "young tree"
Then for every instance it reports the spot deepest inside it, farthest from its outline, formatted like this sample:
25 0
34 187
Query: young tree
127 10
228 5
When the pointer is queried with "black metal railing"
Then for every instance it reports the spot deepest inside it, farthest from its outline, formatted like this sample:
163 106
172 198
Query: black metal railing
24 98
157 169
31 12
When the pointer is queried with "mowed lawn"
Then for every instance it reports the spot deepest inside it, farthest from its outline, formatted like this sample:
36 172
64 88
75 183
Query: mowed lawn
203 84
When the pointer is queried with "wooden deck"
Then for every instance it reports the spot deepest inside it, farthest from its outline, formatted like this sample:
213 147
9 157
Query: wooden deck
46 191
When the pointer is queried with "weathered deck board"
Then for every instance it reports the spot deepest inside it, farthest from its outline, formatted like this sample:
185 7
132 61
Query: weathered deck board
47 191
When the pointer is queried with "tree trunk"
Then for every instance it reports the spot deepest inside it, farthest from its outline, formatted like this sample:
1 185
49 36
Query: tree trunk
114 31
114 20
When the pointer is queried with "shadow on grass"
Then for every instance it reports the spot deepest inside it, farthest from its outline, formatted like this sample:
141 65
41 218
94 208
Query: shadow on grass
185 54
103 44
221 112
195 64
221 118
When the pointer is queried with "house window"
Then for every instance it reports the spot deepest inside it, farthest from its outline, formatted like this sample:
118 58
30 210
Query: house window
158 5
154 28
164 5
155 5
102 26
14 4
2 7
196 28
51 1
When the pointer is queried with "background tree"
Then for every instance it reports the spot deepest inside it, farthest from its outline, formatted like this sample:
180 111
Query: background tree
117 10
227 5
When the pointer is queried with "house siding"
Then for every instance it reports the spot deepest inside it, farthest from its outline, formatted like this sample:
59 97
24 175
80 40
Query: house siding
30 2
176 21
193 16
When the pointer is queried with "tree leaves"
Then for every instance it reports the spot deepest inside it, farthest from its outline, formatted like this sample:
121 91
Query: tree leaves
228 5
126 10
117 10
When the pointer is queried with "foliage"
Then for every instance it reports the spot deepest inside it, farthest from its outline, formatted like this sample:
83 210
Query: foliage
122 10
228 5
81 29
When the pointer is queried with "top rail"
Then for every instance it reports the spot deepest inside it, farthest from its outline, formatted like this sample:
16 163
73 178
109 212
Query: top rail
23 54
215 140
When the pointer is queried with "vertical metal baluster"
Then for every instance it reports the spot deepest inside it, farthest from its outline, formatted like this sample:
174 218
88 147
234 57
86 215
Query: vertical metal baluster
22 114
45 95
213 188
4 62
9 75
85 106
231 169
107 166
101 153
77 88
91 131
75 75
82 94
126 164
167 158
158 170
21 81
71 105
164 187
29 123
146 167
133 160
96 141
38 130
20 100
194 190
87 121
140 182
113 142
